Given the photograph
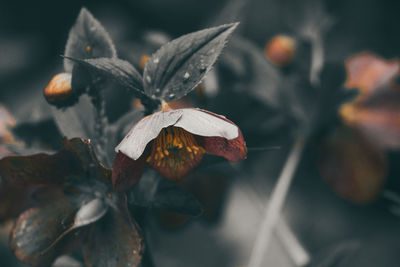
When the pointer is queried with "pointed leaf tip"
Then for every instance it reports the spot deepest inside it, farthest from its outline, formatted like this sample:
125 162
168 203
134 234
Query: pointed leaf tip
87 39
178 66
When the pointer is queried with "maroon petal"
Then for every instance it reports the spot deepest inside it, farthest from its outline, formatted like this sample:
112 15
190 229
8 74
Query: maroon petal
126 171
353 166
114 241
135 142
370 73
233 150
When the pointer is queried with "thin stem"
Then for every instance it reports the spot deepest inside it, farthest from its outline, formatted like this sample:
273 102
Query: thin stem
292 245
101 122
296 251
274 207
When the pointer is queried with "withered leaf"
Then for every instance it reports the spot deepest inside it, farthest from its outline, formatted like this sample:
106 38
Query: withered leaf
76 158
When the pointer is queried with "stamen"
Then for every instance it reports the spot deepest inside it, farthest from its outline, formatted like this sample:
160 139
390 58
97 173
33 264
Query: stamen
175 152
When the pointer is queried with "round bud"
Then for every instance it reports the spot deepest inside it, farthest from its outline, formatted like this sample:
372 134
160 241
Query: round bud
280 50
59 91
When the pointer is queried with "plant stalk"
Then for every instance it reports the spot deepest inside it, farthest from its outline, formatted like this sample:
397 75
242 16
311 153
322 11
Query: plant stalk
274 207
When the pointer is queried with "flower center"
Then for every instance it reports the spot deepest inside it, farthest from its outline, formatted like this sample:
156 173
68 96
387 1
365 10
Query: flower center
175 152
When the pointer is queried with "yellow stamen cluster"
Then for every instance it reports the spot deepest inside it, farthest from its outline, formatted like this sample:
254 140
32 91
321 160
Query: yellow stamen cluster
175 152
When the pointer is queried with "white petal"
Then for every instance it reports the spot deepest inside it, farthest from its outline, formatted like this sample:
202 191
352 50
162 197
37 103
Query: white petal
202 123
134 143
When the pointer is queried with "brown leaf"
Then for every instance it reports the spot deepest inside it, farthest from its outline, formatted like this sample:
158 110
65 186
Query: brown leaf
76 158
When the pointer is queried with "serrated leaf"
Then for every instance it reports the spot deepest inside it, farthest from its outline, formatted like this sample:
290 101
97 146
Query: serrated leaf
118 70
87 39
178 66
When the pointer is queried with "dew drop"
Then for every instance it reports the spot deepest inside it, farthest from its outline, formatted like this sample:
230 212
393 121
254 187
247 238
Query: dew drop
148 79
203 68
153 96
156 60
186 76
158 90
171 95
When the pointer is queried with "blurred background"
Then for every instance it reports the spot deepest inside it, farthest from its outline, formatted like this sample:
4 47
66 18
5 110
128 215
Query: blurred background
318 226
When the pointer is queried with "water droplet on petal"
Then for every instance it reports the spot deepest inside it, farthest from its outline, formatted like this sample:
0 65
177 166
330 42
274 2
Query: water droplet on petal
203 68
153 96
156 60
158 90
171 95
148 79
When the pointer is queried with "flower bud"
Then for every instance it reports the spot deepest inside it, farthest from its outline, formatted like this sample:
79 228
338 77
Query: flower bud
280 50
143 61
59 91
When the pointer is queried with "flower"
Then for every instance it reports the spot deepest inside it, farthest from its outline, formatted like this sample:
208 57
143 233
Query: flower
70 203
376 110
173 142
353 160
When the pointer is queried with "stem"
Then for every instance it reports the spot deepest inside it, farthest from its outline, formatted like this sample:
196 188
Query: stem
297 253
274 207
101 122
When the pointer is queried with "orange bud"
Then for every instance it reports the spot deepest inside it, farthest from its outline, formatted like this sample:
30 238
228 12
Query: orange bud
143 60
280 50
59 89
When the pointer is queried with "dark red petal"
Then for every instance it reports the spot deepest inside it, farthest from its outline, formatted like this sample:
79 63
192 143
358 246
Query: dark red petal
370 73
114 241
233 150
126 171
353 166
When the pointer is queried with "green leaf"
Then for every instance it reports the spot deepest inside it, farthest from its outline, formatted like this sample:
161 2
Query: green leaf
87 39
178 66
